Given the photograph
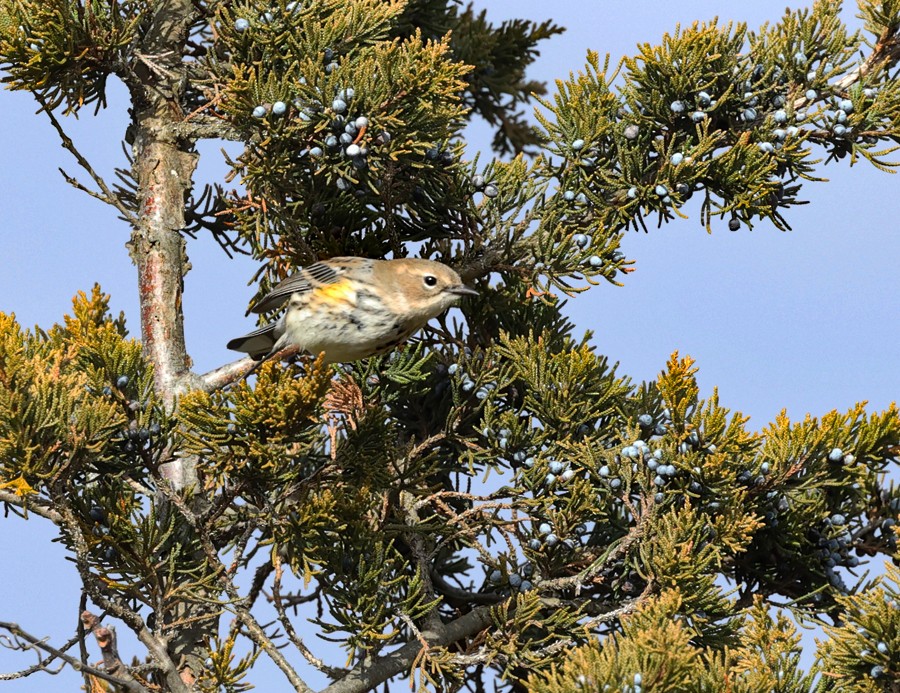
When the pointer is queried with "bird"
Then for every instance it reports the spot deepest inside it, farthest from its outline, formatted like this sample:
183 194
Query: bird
350 308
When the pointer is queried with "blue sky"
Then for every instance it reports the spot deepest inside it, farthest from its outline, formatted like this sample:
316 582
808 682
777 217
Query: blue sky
805 320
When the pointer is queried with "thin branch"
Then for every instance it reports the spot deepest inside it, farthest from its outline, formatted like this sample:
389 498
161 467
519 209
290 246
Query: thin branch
254 629
106 640
885 54
37 644
42 664
30 506
82 637
99 595
578 580
297 641
422 552
153 63
237 370
486 654
228 374
106 195
372 671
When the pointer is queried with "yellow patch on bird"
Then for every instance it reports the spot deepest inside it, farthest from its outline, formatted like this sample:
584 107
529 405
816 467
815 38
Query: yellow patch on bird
339 292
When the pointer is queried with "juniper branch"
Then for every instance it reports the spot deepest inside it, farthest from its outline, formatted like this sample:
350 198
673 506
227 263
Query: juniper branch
243 614
98 594
372 671
35 643
33 505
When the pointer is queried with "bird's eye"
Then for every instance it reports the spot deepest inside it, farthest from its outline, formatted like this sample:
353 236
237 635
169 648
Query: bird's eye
430 280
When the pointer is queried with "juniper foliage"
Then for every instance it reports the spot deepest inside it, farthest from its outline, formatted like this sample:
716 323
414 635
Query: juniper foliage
497 501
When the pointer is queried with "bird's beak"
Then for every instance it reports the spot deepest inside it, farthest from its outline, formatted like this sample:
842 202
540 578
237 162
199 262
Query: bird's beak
462 290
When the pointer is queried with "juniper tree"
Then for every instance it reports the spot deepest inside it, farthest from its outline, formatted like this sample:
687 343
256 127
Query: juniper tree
495 501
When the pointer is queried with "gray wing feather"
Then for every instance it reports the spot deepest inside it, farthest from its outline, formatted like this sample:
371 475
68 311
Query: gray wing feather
301 282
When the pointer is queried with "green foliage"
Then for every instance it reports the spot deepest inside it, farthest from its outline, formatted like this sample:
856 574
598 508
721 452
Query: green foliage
499 85
303 187
699 113
375 605
64 50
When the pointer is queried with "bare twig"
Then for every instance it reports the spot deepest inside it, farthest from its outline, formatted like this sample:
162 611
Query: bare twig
42 664
82 638
27 641
153 62
106 640
228 374
885 54
106 194
422 550
240 369
279 604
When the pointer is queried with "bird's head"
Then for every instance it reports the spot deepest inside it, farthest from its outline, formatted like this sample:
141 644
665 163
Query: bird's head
424 289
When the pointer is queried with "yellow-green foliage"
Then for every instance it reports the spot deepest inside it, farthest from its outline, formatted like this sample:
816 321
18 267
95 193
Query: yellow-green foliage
658 649
268 431
685 550
862 654
59 400
222 672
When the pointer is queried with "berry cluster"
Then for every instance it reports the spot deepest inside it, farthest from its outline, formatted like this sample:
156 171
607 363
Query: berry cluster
879 646
467 385
267 18
768 112
120 385
100 529
136 438
632 684
479 184
516 581
347 136
835 543
837 456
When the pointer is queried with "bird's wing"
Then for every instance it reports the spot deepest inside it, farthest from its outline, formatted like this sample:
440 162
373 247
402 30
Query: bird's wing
305 280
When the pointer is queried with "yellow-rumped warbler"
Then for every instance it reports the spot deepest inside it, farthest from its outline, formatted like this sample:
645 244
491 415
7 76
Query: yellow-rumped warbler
352 307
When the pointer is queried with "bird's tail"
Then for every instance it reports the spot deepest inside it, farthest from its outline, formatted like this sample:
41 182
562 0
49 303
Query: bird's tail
259 343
